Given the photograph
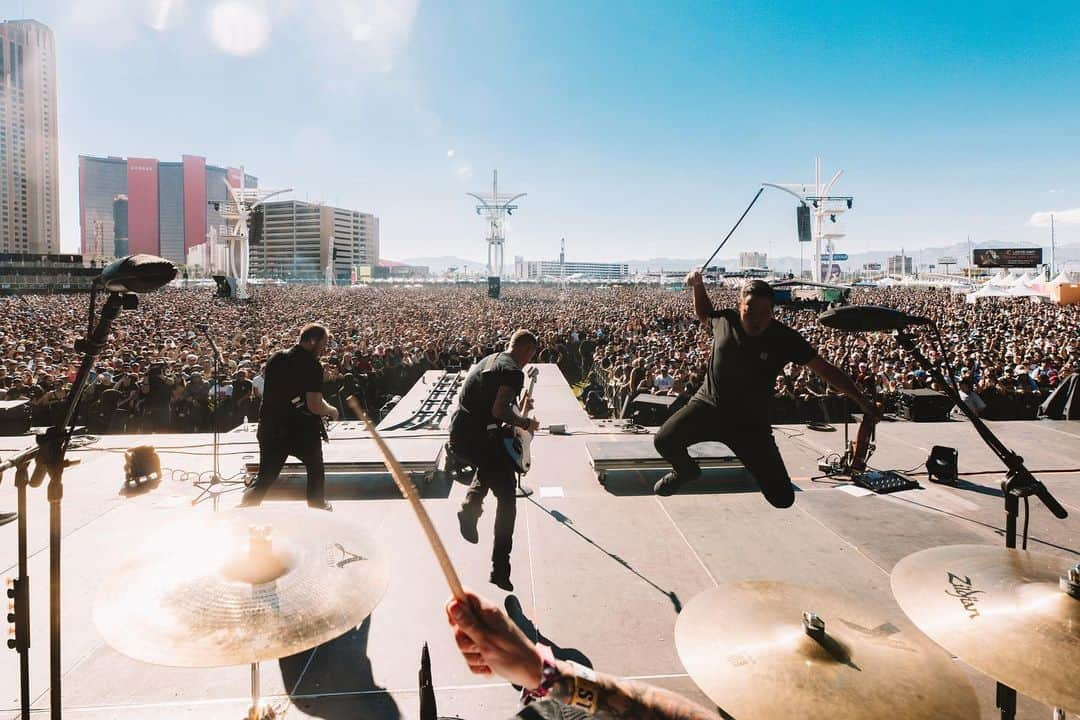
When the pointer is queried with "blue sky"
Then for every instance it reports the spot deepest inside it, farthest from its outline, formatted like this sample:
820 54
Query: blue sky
638 130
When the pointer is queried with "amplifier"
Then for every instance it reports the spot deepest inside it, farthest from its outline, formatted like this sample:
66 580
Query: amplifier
924 405
14 417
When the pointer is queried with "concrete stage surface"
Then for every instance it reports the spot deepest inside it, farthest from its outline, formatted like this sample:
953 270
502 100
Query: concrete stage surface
599 570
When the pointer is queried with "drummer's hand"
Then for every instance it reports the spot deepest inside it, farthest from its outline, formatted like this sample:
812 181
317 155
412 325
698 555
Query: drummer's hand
491 643
694 278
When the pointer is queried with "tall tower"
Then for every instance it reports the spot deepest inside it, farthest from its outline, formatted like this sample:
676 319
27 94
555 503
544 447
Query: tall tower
494 208
29 191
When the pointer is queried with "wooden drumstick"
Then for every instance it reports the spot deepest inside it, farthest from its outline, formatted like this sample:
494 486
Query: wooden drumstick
409 491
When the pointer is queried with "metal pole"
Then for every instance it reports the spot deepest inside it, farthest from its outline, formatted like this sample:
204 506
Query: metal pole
1051 245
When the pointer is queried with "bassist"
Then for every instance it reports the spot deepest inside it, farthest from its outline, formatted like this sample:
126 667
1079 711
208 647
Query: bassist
486 404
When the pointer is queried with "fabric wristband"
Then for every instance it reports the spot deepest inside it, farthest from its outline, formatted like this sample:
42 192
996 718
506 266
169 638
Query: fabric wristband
548 674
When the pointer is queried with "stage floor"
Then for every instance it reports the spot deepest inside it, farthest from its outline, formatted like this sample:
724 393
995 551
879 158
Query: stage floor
599 570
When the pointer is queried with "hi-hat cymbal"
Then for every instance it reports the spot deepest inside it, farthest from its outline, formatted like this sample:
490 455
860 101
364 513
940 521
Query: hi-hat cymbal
1001 611
747 648
239 587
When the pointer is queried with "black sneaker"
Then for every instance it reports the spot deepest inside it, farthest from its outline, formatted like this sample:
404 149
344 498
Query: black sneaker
668 485
501 580
467 526
322 506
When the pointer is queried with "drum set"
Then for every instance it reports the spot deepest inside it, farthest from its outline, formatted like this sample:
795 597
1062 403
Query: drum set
241 587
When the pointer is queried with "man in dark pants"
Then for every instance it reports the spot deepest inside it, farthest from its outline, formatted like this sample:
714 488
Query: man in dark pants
487 402
750 349
290 419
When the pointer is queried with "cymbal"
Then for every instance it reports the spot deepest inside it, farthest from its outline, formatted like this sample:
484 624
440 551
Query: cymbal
238 587
1001 611
746 646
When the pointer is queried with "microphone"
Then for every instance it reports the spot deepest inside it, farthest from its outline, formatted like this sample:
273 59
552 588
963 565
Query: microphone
137 273
868 318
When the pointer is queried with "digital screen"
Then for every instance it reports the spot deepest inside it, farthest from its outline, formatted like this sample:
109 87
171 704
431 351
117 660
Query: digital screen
1007 257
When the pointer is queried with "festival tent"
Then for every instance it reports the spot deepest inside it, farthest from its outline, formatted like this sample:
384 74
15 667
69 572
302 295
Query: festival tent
1023 291
887 282
986 291
1002 279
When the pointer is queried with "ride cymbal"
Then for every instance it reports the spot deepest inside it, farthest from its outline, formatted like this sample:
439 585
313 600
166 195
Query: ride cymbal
1004 612
240 587
763 649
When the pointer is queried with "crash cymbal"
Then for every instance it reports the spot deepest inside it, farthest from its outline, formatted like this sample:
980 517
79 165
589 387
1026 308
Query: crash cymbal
747 648
239 587
1004 612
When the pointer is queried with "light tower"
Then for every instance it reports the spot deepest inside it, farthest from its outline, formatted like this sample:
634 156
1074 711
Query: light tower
825 209
236 211
494 208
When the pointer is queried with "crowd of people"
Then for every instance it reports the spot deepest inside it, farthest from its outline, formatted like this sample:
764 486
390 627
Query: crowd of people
157 371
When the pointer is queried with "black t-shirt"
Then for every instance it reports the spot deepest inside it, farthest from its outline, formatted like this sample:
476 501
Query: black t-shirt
483 382
743 368
290 374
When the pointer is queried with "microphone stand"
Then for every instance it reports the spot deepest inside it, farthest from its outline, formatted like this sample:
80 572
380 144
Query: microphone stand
49 458
1019 483
208 486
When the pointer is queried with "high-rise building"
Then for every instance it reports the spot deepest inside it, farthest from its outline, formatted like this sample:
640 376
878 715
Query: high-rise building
899 265
142 205
752 259
299 240
29 193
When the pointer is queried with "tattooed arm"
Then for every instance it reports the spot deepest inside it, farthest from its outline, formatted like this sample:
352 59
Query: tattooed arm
492 644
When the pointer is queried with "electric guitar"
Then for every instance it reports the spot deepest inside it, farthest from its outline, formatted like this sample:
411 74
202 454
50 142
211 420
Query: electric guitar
518 441
860 450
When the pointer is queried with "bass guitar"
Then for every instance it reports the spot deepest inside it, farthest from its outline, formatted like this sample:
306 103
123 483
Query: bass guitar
518 441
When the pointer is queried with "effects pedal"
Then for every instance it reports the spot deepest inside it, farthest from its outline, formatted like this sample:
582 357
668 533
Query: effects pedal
883 481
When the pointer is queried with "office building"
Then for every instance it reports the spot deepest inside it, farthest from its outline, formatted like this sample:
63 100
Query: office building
553 270
753 260
299 240
899 265
29 178
144 205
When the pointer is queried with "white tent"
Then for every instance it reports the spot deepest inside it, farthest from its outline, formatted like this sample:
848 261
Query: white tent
1000 280
1063 278
1021 290
887 282
986 291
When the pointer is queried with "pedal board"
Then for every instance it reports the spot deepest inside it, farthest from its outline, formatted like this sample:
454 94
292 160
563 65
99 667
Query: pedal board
884 481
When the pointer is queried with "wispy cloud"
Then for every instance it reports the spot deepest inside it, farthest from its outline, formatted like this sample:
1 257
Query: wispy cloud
1061 217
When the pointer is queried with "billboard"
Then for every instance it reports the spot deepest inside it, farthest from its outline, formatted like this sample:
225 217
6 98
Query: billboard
1007 257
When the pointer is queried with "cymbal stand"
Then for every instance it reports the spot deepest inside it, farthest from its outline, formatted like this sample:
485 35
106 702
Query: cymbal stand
1019 483
19 591
258 711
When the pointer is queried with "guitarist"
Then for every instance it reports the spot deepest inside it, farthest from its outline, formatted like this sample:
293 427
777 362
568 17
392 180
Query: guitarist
291 417
486 403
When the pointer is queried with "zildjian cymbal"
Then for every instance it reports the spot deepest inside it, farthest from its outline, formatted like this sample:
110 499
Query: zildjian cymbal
1007 613
763 649
240 587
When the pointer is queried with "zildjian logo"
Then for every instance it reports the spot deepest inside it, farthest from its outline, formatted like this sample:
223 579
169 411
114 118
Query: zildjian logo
963 589
342 557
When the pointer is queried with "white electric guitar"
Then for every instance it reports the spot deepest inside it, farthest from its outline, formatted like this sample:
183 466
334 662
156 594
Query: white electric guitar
518 441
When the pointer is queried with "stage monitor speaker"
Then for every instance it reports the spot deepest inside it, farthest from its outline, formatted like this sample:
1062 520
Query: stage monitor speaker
15 417
494 287
652 410
924 405
224 290
802 220
943 465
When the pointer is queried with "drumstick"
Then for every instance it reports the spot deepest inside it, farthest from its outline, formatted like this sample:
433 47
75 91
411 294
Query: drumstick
409 491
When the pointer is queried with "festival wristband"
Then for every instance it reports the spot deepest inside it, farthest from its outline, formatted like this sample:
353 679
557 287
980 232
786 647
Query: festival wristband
549 674
586 692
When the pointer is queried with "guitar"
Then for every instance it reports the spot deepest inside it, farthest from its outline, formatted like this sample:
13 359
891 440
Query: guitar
517 441
860 450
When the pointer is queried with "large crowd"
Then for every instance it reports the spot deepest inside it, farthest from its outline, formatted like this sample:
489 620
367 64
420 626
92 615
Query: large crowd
157 372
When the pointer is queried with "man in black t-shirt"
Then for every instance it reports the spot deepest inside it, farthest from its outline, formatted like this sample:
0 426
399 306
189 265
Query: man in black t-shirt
290 418
487 401
749 350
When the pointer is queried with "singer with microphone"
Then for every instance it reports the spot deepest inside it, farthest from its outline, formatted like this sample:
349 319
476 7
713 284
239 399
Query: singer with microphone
290 419
749 349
